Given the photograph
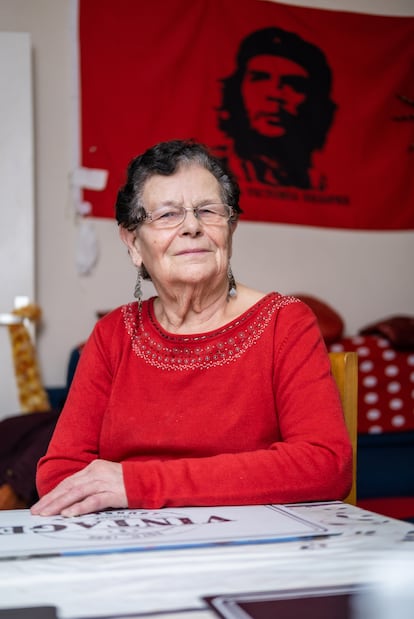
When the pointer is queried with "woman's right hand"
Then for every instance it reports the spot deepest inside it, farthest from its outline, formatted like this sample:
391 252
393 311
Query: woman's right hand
99 486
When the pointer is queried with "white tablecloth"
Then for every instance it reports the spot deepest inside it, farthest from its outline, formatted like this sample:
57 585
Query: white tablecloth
150 582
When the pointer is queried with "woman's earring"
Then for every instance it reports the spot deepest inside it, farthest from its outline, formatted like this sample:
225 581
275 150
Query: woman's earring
232 283
138 287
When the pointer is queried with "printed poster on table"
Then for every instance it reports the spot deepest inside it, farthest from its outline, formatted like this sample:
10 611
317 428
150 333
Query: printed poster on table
24 535
312 109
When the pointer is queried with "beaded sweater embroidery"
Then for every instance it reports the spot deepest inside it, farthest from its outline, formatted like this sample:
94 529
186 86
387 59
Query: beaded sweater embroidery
168 351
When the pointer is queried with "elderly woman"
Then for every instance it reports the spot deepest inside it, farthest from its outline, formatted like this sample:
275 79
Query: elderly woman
209 393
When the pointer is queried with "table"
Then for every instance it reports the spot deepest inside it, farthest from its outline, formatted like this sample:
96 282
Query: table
174 581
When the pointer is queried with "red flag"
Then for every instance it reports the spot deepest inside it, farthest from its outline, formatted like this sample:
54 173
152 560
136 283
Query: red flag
312 109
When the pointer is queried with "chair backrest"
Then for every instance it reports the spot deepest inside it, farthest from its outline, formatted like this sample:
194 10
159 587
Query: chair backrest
344 367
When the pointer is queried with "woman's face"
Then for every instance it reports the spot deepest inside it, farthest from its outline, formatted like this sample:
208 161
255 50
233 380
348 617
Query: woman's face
192 252
273 89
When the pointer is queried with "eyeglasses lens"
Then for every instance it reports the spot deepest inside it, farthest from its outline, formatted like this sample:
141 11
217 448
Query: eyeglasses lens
208 214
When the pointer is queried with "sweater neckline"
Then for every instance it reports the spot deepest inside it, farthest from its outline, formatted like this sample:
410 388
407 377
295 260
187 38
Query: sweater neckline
172 352
148 306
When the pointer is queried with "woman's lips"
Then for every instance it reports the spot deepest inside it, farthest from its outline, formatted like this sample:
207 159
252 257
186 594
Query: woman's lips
191 251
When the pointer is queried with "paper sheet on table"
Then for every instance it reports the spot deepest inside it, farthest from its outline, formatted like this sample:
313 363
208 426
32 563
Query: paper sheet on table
24 535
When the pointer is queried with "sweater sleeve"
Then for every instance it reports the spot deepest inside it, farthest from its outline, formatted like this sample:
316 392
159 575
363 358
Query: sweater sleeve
311 461
75 441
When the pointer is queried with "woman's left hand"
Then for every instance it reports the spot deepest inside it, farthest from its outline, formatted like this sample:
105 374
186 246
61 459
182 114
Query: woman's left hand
98 486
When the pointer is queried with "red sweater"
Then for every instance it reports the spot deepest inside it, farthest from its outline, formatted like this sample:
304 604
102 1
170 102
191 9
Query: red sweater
245 414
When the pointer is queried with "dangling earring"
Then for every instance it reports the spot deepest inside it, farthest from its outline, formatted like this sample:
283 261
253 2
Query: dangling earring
138 287
232 283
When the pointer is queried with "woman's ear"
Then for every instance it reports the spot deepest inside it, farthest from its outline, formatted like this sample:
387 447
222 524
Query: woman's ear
130 239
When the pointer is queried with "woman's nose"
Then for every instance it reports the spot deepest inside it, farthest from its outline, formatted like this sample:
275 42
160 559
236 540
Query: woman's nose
191 223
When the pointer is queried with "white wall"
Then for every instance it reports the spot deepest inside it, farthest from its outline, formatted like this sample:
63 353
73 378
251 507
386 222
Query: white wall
16 196
364 275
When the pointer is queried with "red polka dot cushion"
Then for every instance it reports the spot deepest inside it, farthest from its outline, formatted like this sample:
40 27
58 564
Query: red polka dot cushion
385 384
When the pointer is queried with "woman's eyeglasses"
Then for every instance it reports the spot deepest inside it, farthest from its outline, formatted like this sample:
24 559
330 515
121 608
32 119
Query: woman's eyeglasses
170 216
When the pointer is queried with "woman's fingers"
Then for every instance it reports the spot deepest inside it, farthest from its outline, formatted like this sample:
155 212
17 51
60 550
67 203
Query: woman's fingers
92 503
62 497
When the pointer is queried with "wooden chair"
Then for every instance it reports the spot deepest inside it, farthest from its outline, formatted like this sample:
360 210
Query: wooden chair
345 372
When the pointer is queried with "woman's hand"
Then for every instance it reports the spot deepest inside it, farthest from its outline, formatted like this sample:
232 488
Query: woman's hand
98 486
